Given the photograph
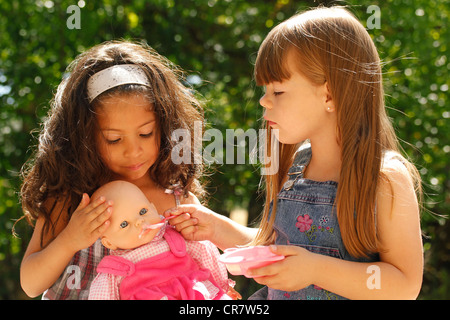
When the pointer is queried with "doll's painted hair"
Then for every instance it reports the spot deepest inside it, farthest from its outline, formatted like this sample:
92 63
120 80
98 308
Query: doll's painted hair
331 45
67 164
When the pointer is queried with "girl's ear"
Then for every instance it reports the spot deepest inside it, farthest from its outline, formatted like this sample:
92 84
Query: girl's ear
108 244
329 102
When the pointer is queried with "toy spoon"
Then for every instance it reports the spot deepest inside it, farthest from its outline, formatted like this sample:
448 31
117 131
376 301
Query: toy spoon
154 226
159 224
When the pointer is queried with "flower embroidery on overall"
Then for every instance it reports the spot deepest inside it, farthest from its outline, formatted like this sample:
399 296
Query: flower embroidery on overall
305 224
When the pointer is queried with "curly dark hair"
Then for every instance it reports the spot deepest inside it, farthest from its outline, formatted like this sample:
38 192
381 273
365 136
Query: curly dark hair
66 162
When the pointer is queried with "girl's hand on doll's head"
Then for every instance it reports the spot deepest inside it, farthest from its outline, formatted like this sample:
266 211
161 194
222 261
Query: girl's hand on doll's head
194 221
293 273
88 222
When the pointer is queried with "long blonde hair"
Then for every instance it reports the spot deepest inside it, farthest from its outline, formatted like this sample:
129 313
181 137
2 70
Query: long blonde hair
332 46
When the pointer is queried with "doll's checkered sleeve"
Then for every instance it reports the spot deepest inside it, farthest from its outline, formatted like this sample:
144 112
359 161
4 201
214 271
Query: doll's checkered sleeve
207 255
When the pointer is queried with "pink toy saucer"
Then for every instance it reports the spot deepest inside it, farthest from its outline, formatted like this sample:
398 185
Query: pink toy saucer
239 260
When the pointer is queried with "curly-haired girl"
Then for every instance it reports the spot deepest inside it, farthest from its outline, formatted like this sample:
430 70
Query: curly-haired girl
111 118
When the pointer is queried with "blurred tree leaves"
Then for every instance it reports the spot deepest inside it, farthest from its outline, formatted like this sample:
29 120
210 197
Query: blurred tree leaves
413 42
216 43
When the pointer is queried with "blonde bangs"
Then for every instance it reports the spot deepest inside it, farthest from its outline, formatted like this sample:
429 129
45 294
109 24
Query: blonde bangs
271 63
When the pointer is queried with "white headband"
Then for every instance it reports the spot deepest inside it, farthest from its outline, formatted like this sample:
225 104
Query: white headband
115 76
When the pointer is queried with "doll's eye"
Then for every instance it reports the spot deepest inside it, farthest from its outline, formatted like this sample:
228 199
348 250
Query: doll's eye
124 224
143 211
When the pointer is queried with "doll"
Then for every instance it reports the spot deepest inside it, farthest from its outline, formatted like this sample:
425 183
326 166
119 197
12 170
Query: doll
152 263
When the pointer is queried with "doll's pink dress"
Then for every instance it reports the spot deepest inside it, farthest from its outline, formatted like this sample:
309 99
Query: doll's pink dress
172 274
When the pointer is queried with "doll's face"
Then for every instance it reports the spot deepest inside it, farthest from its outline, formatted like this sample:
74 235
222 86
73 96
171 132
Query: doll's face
131 213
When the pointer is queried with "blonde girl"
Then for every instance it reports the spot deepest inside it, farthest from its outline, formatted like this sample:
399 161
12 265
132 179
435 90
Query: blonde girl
111 119
343 207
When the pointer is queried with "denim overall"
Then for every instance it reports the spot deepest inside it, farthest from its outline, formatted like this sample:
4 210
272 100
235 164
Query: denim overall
306 218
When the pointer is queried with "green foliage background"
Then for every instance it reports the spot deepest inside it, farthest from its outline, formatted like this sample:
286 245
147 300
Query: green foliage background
217 41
